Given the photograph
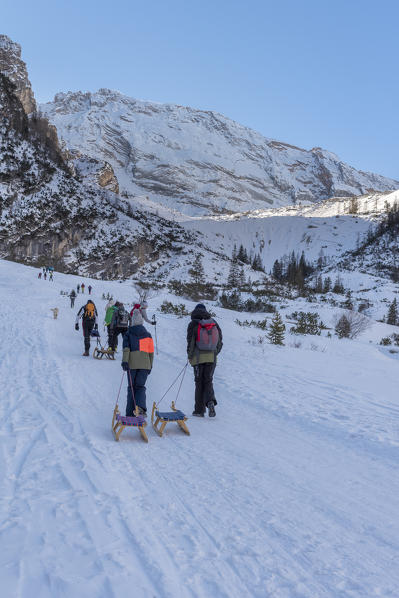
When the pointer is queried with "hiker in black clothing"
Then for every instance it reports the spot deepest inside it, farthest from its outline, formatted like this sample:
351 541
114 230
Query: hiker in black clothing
204 343
88 313
90 288
78 287
119 324
72 297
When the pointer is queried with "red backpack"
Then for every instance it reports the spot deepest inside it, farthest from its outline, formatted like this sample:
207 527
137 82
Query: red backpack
207 335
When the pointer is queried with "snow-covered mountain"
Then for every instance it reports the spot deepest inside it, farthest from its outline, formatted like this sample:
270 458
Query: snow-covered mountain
49 215
198 162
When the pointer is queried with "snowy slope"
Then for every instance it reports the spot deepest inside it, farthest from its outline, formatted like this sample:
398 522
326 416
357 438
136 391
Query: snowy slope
326 229
291 491
198 162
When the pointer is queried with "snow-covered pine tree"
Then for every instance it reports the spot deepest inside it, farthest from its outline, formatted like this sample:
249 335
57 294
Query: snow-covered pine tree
392 317
276 330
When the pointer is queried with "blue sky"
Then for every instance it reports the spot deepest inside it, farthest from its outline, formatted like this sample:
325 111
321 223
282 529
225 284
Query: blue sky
309 73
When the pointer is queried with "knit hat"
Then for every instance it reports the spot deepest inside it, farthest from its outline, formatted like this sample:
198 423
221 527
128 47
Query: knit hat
137 318
200 306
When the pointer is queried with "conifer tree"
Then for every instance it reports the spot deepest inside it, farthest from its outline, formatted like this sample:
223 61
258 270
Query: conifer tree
343 327
197 272
327 285
277 270
276 330
233 279
392 317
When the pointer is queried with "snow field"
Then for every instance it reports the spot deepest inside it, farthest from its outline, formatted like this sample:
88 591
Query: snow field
290 492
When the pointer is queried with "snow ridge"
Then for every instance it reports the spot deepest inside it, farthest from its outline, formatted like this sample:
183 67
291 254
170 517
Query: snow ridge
196 161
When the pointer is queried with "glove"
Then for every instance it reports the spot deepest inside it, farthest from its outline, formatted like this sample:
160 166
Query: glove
76 326
125 366
154 322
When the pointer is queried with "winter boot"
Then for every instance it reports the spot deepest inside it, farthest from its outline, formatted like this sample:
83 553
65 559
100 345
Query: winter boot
86 354
198 414
211 409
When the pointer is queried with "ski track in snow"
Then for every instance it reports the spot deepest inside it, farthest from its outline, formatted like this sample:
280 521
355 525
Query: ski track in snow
290 492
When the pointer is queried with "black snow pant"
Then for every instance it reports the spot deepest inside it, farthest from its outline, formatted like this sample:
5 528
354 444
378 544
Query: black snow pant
72 301
203 375
87 326
113 336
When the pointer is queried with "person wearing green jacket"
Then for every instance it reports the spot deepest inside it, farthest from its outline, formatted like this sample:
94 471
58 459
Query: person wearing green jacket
110 308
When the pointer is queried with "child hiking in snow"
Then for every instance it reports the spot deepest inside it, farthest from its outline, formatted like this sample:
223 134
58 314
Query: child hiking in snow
142 308
204 343
137 361
88 314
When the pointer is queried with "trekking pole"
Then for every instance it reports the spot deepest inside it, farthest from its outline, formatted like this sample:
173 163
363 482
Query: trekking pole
156 337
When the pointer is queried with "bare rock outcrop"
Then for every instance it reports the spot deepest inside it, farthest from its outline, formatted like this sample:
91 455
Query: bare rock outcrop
15 69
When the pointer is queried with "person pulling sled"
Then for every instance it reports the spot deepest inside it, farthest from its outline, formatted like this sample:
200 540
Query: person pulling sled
137 361
119 324
204 343
88 315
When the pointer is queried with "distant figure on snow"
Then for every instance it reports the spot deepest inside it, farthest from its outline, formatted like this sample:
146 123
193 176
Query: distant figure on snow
90 288
72 296
88 314
39 275
45 276
55 311
82 286
137 360
51 276
78 288
204 343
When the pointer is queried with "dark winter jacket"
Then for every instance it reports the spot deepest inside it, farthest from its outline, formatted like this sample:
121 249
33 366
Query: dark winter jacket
115 317
195 356
138 348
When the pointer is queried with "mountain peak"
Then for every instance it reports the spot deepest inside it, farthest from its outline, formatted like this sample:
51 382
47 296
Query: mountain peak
13 67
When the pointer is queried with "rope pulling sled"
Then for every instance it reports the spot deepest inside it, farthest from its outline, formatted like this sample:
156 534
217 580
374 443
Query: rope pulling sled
120 422
165 417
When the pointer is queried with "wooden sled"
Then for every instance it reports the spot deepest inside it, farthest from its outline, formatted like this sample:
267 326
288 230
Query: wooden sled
163 418
120 422
99 352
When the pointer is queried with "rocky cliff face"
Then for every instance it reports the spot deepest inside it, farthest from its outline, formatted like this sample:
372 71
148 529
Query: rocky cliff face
47 215
14 68
199 162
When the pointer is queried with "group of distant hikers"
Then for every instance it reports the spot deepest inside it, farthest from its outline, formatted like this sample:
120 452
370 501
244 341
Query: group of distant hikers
204 343
79 288
46 270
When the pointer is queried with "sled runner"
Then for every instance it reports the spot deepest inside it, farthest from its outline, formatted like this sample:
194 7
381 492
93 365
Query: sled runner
99 351
120 422
165 417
